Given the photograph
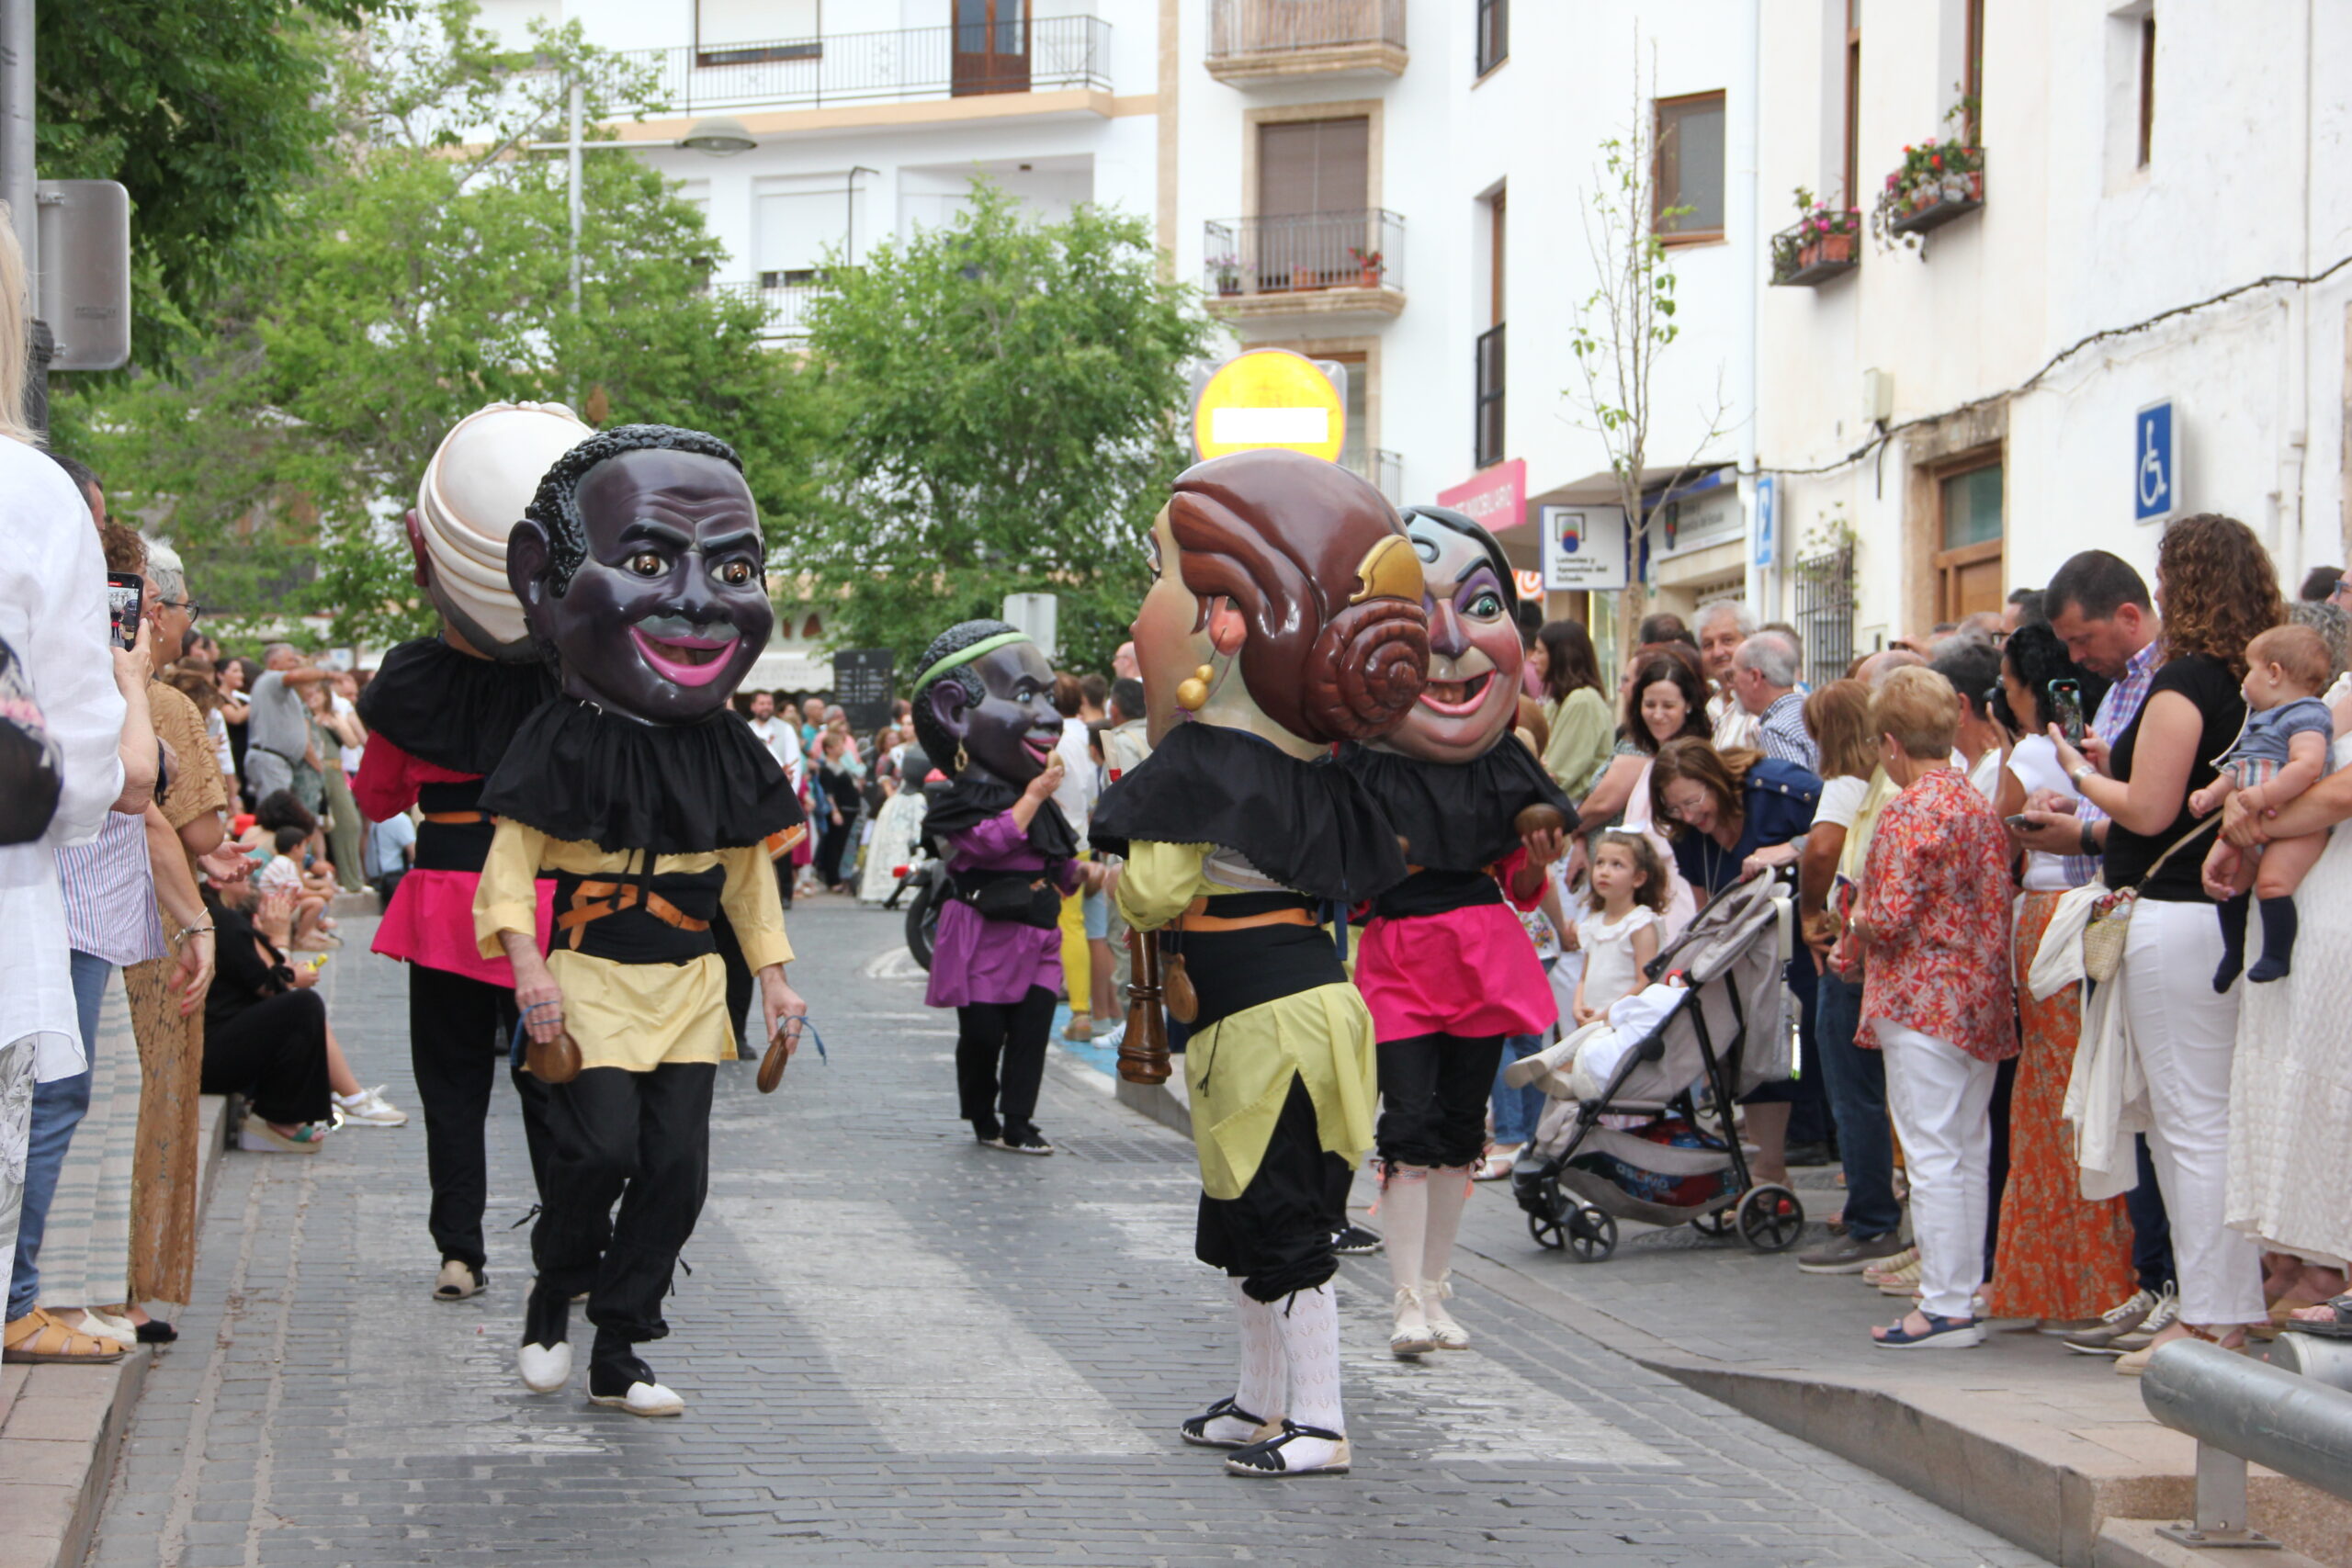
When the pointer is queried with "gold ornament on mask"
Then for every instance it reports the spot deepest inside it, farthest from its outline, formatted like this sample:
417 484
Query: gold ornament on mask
1389 571
1193 694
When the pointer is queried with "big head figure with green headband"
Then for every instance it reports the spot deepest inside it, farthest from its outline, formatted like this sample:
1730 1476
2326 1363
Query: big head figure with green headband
983 699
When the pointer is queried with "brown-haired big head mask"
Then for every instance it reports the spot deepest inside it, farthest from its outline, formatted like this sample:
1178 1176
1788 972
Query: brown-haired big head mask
1328 588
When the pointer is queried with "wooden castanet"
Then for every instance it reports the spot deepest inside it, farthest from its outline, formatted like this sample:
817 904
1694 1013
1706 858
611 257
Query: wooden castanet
553 1061
780 1048
1143 1051
1539 818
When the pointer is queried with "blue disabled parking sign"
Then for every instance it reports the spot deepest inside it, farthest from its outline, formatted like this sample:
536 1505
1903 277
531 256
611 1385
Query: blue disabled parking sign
2156 467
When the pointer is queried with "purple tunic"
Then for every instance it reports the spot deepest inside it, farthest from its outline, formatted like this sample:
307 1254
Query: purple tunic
974 960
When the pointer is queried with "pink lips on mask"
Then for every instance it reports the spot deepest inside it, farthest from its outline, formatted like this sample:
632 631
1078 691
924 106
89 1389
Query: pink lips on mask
670 656
1040 747
1456 699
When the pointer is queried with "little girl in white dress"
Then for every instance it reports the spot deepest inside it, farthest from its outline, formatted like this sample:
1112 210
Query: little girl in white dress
1619 933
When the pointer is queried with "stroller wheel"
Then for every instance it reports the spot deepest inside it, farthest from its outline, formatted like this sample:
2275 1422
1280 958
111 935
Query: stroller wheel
1593 1235
1717 1223
1543 1216
1770 1218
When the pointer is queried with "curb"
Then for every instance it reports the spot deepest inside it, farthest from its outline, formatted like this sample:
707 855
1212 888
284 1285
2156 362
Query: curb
61 1428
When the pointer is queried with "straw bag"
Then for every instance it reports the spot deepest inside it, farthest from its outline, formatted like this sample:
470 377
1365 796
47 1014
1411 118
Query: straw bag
2111 918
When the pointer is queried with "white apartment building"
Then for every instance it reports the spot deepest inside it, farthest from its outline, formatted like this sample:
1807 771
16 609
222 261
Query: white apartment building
1970 414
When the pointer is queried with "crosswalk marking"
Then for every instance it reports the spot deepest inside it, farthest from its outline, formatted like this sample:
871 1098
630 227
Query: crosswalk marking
938 1363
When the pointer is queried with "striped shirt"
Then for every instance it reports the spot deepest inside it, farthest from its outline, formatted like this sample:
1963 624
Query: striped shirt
110 894
1780 733
2117 711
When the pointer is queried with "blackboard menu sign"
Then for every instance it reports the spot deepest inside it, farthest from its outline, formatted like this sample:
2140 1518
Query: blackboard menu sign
862 686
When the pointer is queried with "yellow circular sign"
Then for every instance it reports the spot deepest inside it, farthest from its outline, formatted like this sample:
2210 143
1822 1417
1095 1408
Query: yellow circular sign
1269 396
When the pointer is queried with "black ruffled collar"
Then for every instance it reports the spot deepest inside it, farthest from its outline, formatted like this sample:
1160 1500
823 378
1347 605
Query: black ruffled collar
575 772
448 708
973 798
1309 826
1457 816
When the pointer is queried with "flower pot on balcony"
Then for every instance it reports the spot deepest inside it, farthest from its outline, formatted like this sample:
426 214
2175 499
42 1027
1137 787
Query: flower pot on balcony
1228 287
1825 248
1368 277
1303 277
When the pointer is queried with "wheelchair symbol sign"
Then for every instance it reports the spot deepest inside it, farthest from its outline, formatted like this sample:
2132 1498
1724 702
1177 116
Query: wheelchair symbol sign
2156 476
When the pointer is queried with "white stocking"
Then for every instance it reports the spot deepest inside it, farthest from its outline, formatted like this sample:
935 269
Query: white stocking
1261 1389
1404 1209
1449 1190
1309 1321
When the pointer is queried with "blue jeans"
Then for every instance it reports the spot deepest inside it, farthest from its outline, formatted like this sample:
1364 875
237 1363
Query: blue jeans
1856 1079
1516 1110
58 1108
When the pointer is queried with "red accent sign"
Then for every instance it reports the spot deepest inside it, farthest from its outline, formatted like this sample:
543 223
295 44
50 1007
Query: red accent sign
1495 498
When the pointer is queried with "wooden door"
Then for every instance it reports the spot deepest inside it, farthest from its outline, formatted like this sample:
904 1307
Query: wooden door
1970 566
991 45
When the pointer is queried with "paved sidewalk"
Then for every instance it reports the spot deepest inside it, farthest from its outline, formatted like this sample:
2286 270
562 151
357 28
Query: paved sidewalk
899 1349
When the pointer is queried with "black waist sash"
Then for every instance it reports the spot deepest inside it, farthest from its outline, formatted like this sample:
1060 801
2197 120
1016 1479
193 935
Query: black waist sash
1233 971
453 846
1428 892
631 918
1012 898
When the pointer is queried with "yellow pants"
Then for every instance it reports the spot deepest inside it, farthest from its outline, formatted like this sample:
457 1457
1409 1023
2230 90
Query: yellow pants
1076 974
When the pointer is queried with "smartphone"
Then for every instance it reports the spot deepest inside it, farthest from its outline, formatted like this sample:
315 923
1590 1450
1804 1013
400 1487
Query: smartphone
126 602
2020 823
2067 709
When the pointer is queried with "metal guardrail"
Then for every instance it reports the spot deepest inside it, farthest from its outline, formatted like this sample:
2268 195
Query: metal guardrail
1384 469
788 304
1304 253
1048 53
2239 1409
1239 29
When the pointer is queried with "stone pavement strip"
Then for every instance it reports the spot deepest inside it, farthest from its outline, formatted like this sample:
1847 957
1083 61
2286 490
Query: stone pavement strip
898 1348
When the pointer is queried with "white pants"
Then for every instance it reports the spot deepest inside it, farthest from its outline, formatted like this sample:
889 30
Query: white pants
1941 1099
2185 1037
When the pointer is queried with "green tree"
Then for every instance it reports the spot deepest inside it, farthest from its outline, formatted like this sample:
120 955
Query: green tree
207 112
420 281
1010 393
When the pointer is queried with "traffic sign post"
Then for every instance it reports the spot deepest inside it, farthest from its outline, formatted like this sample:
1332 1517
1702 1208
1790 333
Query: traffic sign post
1270 397
2155 464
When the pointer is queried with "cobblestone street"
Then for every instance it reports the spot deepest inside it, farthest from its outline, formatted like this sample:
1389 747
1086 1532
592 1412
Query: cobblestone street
897 1349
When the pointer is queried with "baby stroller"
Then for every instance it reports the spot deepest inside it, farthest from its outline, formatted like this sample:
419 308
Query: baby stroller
1723 1035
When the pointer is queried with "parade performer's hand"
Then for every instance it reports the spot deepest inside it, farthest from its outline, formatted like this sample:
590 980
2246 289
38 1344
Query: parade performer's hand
533 985
779 1001
1047 780
1544 847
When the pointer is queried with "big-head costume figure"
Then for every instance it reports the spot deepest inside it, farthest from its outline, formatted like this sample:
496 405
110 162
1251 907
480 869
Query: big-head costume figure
645 799
983 709
1446 966
439 714
1286 618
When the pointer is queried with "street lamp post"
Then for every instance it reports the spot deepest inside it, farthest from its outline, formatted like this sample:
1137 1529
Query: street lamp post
717 136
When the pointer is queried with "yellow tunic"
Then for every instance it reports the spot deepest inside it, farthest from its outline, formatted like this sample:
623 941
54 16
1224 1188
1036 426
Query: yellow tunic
634 1016
1240 1068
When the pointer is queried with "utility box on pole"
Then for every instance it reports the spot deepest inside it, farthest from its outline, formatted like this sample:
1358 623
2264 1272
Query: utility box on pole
84 288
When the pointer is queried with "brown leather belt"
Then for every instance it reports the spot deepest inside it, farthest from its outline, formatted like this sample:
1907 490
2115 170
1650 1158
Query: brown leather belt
458 818
1193 920
590 902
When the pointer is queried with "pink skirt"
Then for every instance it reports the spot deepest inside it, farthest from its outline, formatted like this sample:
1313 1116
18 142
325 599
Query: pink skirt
432 922
1467 972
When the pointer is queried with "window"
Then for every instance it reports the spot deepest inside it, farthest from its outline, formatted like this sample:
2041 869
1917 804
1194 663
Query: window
1690 168
795 230
2147 88
1494 34
991 47
1969 535
743 32
1314 165
1853 103
1497 229
1488 408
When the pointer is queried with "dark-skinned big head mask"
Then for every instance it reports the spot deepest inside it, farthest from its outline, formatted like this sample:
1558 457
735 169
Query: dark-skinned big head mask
1012 728
640 564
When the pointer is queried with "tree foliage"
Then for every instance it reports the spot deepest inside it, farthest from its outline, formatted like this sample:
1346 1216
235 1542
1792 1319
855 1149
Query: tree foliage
1010 392
418 281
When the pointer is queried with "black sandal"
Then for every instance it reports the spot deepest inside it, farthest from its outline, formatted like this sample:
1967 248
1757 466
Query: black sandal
1265 1459
2340 1327
1195 1429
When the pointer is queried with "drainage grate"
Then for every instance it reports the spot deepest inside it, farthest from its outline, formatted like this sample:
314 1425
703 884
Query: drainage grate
1128 1151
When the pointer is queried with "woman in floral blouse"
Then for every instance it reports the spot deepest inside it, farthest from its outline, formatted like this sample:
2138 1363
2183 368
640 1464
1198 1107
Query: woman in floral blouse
1934 926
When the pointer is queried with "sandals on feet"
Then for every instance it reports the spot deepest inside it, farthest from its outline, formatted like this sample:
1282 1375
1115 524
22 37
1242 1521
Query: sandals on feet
2330 1319
1266 1461
38 1339
1195 1429
1943 1333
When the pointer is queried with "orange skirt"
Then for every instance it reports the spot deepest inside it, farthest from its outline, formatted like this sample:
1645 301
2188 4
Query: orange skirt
2060 1256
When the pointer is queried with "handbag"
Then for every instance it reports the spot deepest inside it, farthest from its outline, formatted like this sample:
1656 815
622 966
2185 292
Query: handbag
2111 920
1013 897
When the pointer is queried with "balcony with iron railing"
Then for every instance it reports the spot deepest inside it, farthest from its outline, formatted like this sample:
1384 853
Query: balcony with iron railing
1315 264
1384 469
1047 54
786 305
1265 41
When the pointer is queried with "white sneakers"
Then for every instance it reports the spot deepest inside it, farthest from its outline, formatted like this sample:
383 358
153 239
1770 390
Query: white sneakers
545 1368
369 1108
